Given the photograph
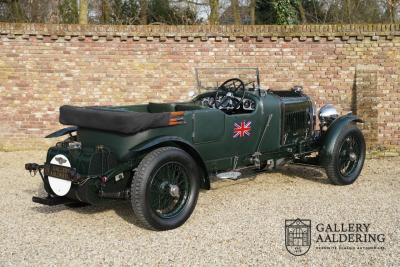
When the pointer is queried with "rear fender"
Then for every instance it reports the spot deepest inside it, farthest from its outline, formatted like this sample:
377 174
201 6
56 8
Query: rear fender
61 132
178 142
329 139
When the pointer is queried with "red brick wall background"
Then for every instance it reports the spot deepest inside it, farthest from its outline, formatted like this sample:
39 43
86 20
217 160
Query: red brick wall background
45 66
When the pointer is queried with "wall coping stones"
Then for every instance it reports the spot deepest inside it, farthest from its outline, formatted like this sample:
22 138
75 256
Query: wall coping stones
359 31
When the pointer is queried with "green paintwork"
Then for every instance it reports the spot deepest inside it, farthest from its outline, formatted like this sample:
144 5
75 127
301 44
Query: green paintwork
161 201
330 138
208 119
207 135
209 131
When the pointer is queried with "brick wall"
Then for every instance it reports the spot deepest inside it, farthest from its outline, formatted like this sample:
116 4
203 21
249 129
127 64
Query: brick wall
355 67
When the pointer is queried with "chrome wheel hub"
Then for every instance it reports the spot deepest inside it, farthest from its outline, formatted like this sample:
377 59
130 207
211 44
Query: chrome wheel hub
352 156
174 191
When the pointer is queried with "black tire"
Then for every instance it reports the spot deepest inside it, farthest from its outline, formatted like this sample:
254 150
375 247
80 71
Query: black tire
149 182
348 157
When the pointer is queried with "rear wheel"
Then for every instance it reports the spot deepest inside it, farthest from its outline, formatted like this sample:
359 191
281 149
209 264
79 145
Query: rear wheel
348 157
165 188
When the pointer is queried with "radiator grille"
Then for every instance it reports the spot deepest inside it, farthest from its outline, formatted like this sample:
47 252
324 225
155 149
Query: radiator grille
295 121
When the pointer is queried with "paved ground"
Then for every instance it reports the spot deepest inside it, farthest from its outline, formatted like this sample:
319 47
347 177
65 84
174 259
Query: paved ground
235 223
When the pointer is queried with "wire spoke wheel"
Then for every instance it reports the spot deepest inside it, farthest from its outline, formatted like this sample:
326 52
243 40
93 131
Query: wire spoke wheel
347 156
169 189
165 188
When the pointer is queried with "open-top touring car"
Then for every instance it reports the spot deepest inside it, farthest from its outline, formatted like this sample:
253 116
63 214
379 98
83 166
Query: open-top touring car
158 155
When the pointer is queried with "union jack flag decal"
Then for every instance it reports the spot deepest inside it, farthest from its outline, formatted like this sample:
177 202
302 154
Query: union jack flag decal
241 129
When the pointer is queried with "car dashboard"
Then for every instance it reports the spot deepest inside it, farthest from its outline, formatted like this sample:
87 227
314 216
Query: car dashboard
247 104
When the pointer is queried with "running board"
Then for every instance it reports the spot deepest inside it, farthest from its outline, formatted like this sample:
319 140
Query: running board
233 175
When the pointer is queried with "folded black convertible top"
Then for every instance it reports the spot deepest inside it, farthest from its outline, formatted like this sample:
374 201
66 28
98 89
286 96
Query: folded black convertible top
121 121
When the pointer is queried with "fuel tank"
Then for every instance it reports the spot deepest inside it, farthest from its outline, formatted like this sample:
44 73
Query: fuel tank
87 164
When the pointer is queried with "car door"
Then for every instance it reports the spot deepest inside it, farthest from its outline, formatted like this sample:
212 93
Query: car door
242 132
220 137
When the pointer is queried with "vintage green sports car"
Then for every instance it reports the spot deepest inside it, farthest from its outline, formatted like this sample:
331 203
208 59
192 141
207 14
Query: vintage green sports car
159 155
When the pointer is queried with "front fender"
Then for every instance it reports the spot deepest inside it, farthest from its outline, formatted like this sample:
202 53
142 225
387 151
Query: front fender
329 139
178 142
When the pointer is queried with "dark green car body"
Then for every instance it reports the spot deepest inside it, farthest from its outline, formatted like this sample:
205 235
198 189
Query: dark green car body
263 130
206 134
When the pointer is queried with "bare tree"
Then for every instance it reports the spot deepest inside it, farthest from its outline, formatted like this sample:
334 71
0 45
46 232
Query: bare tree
302 12
17 12
144 6
349 10
235 11
391 9
83 11
214 16
105 11
253 12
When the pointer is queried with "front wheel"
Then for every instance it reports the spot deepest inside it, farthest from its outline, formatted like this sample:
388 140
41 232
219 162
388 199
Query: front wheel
348 157
165 188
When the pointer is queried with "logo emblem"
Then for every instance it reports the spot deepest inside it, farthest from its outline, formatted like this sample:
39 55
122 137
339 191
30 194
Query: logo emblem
241 129
297 236
60 160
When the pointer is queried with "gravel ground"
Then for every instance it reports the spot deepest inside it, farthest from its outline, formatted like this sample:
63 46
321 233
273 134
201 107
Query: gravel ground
235 223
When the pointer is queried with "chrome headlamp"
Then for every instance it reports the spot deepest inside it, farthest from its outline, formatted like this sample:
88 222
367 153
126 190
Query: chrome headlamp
327 114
